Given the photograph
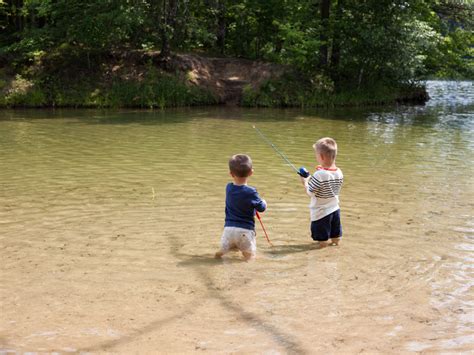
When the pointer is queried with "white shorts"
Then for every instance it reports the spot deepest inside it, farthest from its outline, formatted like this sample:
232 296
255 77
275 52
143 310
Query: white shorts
238 238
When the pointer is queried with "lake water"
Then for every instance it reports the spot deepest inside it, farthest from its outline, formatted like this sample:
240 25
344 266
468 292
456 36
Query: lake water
109 221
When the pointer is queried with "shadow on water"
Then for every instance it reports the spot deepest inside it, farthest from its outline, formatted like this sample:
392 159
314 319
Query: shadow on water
149 328
236 258
204 260
200 264
281 338
453 117
291 248
182 115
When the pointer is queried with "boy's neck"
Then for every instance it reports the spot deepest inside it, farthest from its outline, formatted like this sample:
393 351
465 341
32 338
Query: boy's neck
240 181
329 165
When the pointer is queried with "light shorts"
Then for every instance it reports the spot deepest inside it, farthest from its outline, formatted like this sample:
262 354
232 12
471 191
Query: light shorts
238 238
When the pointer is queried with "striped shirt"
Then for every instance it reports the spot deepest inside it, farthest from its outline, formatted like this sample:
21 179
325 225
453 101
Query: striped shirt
324 187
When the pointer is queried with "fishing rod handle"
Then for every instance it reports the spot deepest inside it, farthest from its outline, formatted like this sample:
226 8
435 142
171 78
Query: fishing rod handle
303 172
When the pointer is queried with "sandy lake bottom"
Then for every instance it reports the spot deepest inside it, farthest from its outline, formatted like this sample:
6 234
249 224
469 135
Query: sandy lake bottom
109 222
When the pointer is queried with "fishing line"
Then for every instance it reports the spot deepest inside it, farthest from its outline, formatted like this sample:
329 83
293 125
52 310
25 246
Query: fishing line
301 171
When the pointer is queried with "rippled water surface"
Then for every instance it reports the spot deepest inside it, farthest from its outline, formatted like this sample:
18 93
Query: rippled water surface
109 221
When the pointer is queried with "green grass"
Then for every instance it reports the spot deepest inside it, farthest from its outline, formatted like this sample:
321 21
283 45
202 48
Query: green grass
159 90
292 91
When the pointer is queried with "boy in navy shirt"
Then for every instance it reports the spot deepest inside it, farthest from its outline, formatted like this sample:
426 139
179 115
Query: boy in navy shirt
240 204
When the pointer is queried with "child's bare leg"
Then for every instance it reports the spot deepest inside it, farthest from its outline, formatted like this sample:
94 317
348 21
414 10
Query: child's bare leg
248 255
322 245
335 241
219 254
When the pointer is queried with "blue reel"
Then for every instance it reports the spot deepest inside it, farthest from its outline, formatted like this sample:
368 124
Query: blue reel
303 172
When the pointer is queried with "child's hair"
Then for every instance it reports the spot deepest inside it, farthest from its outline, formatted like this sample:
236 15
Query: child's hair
327 147
240 165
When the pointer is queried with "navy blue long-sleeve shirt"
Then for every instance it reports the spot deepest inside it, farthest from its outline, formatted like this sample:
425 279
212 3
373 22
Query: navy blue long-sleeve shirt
241 201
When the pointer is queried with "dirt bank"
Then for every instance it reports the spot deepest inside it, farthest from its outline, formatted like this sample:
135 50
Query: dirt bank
226 78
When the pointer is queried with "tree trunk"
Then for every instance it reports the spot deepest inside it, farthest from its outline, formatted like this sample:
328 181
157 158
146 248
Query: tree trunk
16 16
336 42
167 26
221 26
323 37
165 45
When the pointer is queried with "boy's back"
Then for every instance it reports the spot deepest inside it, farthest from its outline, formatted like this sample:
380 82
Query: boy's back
324 187
240 205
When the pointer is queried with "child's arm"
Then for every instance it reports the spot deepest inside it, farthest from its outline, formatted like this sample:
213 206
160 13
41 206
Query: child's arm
304 182
259 203
311 184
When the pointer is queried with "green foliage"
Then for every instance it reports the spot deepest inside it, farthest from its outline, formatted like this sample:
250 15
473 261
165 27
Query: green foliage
369 43
158 90
454 54
382 41
288 91
22 92
296 91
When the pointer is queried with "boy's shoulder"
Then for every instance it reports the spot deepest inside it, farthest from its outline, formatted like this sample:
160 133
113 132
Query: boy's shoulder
251 189
243 188
323 173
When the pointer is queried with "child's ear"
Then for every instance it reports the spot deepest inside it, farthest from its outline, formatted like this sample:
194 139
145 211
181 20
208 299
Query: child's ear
231 174
251 172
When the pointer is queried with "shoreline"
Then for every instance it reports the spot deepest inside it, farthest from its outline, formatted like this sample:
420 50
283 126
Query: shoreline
143 80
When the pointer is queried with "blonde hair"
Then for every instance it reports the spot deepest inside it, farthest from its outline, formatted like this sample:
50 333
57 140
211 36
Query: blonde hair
327 147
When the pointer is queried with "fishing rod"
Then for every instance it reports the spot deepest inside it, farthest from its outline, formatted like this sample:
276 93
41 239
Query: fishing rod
301 171
264 231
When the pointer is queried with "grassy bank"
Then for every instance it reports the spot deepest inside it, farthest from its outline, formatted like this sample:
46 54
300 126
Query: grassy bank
295 91
68 78
158 90
71 79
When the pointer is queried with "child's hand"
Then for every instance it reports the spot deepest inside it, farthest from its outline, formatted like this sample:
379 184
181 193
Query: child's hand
304 180
303 172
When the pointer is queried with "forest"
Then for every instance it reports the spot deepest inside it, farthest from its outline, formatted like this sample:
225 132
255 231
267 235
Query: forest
118 53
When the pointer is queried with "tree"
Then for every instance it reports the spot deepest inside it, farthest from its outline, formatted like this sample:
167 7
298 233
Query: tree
324 30
167 23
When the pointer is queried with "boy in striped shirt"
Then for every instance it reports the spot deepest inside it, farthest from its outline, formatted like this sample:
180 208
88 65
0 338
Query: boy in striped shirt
323 187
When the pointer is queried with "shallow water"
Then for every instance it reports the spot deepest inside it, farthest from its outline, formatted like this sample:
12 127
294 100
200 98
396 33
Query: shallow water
109 221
